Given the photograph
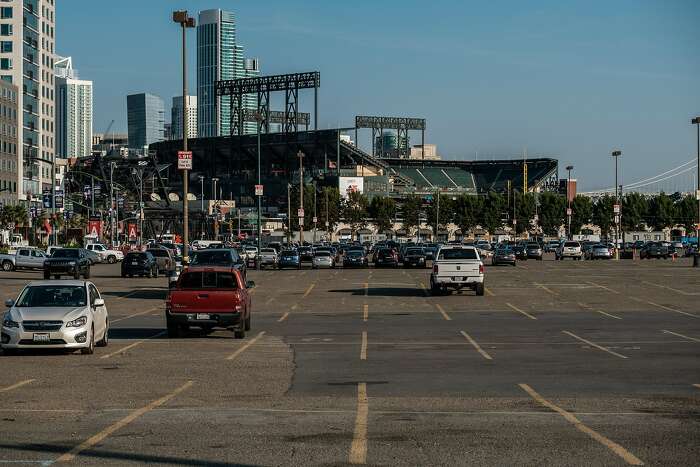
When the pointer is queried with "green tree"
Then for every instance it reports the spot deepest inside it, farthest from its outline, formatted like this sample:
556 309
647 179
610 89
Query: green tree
634 210
581 213
354 209
411 211
492 213
467 212
687 213
524 210
603 214
661 211
446 210
329 198
552 212
383 210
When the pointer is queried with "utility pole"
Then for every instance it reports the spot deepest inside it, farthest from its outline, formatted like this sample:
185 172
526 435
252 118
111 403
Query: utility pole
300 155
258 117
437 216
569 168
327 219
696 122
315 218
289 214
112 204
185 22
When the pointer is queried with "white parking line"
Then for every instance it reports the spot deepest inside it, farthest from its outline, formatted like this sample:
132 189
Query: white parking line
131 346
476 346
520 311
246 346
17 385
585 341
681 335
112 321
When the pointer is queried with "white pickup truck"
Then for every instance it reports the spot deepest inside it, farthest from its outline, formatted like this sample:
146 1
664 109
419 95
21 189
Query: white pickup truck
110 256
457 267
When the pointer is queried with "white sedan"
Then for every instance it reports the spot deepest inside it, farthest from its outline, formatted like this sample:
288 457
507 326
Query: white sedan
56 315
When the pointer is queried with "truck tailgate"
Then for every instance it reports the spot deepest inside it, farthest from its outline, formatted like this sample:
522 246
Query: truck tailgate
204 301
451 268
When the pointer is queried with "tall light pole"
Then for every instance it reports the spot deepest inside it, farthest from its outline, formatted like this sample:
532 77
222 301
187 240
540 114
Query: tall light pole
201 204
696 122
259 118
616 214
300 155
213 194
181 17
214 213
569 168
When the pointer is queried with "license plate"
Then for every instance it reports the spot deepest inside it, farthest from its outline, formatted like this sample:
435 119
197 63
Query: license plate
44 337
135 263
202 316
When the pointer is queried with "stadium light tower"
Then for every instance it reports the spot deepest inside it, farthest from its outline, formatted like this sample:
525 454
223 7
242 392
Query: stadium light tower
616 214
569 168
696 122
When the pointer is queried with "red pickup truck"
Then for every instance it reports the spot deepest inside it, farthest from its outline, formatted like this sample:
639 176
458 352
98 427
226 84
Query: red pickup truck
208 298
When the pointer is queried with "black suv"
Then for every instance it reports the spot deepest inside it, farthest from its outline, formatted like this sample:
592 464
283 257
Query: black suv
654 250
139 263
227 257
415 257
67 262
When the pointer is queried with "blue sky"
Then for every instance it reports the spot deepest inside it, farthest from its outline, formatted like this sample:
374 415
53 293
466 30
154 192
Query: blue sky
569 79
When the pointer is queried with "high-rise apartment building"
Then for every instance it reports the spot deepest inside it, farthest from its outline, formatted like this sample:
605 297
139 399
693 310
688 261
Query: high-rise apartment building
27 42
176 117
219 57
145 119
9 134
73 111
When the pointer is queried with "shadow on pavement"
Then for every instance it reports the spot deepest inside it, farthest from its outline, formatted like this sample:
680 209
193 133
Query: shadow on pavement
106 455
144 294
383 292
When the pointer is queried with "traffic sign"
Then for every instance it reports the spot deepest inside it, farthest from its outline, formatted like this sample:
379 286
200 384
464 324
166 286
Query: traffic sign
616 208
315 219
515 221
568 211
184 160
258 190
327 224
300 212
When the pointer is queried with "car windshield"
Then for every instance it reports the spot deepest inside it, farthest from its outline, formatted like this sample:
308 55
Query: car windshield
158 252
458 253
52 296
65 253
269 250
503 251
572 244
213 257
208 280
135 256
533 245
289 253
355 253
322 254
414 251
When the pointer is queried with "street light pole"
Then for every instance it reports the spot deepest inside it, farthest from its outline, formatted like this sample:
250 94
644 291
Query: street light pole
258 117
696 122
569 168
616 215
185 22
300 155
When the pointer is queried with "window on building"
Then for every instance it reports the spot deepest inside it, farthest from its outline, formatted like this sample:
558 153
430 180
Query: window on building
5 29
6 46
6 12
5 63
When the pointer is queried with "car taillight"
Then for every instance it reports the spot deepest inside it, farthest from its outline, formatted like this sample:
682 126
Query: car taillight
435 268
481 269
237 308
168 303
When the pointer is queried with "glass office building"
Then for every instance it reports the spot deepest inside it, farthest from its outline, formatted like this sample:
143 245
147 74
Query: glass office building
219 57
145 119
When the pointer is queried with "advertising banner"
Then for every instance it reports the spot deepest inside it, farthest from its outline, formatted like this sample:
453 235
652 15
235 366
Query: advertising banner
348 185
95 226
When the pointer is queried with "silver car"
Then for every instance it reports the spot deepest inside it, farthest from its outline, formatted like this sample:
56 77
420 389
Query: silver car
600 251
56 315
323 259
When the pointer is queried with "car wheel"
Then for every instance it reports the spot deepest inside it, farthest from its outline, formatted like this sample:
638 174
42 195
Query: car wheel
239 333
87 273
90 349
105 339
76 274
47 275
479 289
111 259
173 330
434 288
123 274
247 322
154 273
57 277
9 352
8 266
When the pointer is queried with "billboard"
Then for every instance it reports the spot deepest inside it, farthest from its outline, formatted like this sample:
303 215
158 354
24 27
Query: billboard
350 184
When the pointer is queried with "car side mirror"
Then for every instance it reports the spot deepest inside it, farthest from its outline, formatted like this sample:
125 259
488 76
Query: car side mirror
249 284
99 302
9 303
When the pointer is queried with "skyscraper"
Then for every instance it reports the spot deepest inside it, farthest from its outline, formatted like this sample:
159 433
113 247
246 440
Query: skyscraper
27 42
145 119
176 117
219 57
73 111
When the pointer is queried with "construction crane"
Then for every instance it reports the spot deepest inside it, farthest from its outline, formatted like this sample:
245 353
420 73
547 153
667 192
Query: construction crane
104 135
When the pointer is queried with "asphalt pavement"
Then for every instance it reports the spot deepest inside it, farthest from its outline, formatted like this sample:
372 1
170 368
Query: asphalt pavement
560 363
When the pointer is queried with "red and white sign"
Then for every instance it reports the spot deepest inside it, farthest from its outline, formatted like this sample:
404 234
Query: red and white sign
568 211
184 160
258 190
315 219
132 231
95 227
616 208
300 212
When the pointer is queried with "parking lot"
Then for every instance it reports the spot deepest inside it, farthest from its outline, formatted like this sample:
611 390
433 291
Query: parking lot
564 363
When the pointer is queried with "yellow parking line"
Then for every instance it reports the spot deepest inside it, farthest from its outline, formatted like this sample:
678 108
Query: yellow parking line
112 321
366 289
269 300
363 348
128 295
571 418
17 385
600 286
424 289
284 316
476 346
607 314
365 312
593 344
442 311
358 448
520 311
672 309
489 292
308 291
697 385
131 346
546 289
90 442
246 346
678 291
681 335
